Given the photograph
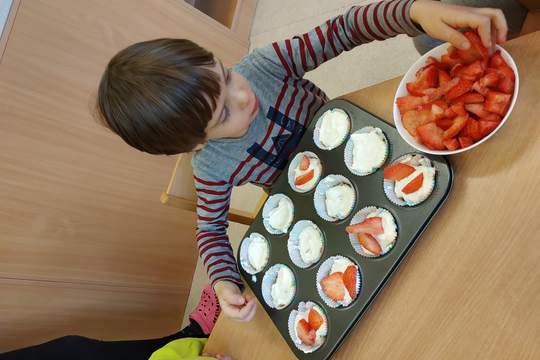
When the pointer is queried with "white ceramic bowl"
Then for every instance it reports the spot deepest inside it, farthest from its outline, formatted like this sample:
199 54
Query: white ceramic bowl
410 76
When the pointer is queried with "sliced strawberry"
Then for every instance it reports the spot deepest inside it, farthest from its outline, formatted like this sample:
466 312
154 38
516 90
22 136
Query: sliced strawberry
302 179
455 69
333 286
427 77
431 136
487 127
369 243
496 60
459 123
463 86
497 102
414 118
471 130
315 320
398 171
471 72
478 110
448 62
444 123
491 79
371 226
458 108
465 141
470 98
349 279
444 77
477 51
451 144
304 164
414 184
413 90
406 103
305 333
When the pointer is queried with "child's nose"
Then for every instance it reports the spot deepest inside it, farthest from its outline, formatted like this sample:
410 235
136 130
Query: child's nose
243 99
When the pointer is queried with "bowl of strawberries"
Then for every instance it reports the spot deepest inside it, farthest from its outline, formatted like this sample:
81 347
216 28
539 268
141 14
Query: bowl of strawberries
452 100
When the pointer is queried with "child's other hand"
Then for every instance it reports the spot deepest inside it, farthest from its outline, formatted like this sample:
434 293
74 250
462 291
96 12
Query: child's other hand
441 20
217 356
235 305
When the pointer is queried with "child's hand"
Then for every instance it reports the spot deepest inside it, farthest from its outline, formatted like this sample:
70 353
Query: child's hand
441 21
233 303
217 356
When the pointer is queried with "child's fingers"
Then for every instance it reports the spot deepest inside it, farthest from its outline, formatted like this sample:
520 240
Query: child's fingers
453 36
247 312
498 21
233 298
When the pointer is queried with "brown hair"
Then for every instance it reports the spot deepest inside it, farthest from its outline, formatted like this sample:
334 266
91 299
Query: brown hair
159 95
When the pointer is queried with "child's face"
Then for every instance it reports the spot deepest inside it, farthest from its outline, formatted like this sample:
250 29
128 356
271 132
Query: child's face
236 108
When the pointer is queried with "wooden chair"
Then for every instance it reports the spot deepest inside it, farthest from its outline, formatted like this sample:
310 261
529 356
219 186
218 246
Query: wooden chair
181 193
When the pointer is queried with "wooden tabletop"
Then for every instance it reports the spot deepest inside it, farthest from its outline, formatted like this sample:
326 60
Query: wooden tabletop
470 289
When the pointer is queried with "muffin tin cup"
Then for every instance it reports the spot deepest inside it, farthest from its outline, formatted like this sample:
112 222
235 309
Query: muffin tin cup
295 162
320 196
374 273
349 148
317 135
269 205
266 287
324 270
358 218
303 307
244 259
293 243
388 185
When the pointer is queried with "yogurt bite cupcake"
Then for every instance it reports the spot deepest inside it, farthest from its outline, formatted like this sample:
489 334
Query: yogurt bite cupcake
304 171
308 327
305 244
334 198
278 214
254 253
409 180
366 151
338 281
332 129
278 286
372 232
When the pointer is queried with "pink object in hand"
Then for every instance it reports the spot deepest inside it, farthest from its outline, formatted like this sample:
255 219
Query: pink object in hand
207 311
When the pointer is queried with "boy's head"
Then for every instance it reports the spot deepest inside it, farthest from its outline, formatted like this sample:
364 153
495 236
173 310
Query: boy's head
169 96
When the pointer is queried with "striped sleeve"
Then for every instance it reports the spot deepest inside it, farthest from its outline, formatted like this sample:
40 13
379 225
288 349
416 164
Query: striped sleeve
213 200
359 25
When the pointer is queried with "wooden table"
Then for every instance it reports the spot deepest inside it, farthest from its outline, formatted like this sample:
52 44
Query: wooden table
470 289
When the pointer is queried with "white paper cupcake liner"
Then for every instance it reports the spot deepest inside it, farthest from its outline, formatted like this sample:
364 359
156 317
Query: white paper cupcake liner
324 270
349 147
304 307
244 260
270 204
320 195
316 131
361 216
295 163
268 280
293 244
388 185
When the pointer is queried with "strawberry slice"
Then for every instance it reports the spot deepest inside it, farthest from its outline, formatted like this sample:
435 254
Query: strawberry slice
431 136
315 320
333 286
477 51
497 60
369 243
414 185
304 163
471 130
471 72
349 279
465 141
415 118
398 171
462 87
444 77
497 102
371 226
451 144
478 110
487 127
459 123
448 62
305 333
458 108
302 179
470 98
444 123
406 103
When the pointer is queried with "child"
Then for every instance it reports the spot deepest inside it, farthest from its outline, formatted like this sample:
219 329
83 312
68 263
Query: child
171 96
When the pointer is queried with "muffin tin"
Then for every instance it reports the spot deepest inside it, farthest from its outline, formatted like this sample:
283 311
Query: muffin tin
374 272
